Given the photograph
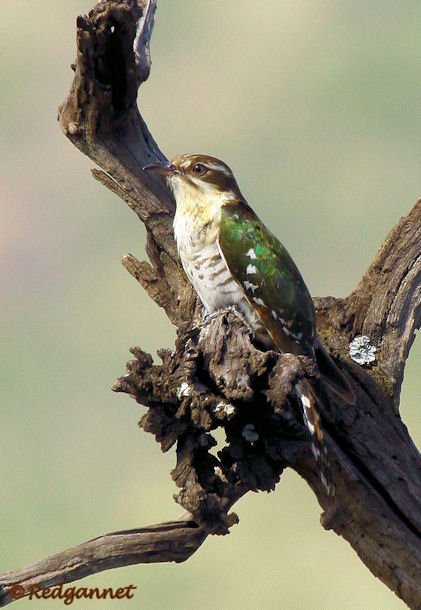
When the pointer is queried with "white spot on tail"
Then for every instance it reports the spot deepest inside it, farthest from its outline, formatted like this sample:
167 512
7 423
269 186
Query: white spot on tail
306 405
274 315
251 254
311 420
259 301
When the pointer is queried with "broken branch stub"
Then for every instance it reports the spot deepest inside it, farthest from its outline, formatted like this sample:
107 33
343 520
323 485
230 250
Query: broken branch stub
187 402
217 377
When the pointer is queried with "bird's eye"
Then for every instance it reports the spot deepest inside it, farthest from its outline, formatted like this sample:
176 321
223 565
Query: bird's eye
199 169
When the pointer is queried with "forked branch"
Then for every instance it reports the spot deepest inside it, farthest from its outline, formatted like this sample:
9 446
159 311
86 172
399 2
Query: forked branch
216 377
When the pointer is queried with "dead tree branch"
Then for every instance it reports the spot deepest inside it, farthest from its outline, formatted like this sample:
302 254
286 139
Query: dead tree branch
216 377
173 541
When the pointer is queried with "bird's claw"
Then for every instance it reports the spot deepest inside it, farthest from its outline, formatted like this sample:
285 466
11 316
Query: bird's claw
208 317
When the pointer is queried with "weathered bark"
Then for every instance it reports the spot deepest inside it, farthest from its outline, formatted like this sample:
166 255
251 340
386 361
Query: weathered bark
216 377
173 541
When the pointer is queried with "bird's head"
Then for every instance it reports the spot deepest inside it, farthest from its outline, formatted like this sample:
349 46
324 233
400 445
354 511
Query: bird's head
199 177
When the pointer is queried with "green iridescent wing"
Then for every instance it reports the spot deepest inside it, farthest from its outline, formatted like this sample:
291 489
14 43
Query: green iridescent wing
271 281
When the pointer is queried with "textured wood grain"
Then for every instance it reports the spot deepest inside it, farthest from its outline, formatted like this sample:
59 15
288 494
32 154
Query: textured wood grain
217 378
172 541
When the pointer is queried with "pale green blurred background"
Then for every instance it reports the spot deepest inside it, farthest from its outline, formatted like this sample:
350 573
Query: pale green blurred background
316 106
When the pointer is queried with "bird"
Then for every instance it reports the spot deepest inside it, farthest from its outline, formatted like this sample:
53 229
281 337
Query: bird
235 262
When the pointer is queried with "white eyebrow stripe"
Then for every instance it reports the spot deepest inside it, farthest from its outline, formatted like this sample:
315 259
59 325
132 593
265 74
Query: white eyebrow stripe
218 168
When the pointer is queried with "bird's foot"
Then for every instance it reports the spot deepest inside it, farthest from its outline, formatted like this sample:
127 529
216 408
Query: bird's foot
208 317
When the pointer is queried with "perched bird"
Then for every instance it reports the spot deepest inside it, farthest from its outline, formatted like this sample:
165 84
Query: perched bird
233 260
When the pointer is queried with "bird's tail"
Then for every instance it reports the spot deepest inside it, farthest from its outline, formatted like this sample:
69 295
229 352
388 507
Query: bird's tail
332 374
311 417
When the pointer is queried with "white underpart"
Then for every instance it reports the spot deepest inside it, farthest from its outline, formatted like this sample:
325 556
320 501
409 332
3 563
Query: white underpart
199 250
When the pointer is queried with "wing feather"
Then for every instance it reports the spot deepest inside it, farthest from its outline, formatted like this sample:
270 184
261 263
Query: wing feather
270 279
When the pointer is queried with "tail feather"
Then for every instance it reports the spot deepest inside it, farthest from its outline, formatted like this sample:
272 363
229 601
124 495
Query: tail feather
311 417
332 374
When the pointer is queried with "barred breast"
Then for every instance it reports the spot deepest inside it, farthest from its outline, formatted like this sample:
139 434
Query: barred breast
206 269
211 278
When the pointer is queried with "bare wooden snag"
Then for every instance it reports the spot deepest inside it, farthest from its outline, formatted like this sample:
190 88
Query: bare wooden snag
215 376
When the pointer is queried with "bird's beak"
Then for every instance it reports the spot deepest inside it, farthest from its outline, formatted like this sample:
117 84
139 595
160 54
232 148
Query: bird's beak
163 169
